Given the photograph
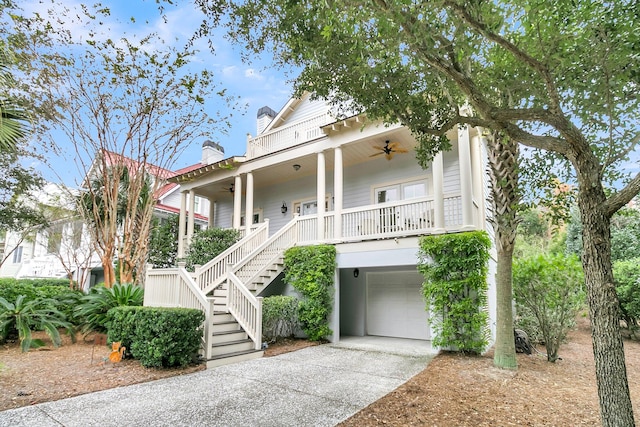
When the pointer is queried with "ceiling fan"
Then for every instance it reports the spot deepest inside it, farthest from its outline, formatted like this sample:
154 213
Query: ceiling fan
228 188
389 149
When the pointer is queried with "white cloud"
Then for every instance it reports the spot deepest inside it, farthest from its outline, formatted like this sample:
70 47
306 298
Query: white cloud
229 71
253 74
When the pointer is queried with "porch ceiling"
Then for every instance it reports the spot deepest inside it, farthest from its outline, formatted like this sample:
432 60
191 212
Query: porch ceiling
358 151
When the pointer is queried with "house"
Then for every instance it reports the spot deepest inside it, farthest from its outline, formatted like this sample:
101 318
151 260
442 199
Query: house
64 248
309 178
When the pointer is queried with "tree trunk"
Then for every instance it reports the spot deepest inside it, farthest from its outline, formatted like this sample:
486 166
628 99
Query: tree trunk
505 197
613 388
504 355
109 273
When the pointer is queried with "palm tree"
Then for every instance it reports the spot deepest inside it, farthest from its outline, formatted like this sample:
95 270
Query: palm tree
14 119
505 197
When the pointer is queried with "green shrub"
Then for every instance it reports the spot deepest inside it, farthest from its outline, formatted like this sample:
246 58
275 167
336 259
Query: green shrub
122 325
627 277
10 290
59 295
208 244
158 337
311 270
455 288
549 289
66 299
163 243
45 281
279 317
93 307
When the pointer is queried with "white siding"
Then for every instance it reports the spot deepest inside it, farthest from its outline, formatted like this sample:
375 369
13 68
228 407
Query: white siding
172 199
304 110
451 170
359 181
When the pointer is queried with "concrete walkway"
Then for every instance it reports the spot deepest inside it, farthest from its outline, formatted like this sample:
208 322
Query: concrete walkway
316 386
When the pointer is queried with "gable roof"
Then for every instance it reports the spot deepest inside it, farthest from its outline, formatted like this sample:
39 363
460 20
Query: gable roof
285 111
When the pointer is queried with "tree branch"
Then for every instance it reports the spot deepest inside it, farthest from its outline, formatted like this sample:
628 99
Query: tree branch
624 196
541 68
619 156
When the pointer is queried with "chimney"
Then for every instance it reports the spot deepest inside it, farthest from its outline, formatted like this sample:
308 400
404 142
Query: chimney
265 115
211 152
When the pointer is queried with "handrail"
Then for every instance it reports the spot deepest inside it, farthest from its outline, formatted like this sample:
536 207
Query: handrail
276 139
245 308
275 245
213 273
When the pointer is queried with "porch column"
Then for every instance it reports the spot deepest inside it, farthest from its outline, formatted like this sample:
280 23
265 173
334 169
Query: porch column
321 187
466 188
192 215
438 193
181 223
237 202
212 213
248 214
337 193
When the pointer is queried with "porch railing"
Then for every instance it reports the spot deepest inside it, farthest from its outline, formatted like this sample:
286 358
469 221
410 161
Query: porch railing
214 272
174 287
287 136
245 308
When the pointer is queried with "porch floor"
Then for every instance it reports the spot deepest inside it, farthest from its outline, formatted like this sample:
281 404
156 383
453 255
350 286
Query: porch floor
400 346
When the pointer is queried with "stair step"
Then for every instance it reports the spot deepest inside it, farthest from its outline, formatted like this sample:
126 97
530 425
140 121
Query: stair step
232 347
228 336
239 356
222 327
222 316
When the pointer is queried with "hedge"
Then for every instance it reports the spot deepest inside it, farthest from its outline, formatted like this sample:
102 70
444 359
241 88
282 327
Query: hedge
157 336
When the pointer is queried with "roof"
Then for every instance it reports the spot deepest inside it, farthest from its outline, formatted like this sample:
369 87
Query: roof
112 158
190 173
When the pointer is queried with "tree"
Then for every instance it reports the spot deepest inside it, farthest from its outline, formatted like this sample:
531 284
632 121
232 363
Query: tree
505 198
208 244
550 290
568 69
163 243
129 107
14 118
20 210
625 234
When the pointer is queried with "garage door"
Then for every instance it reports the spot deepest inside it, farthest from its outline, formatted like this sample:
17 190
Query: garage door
395 306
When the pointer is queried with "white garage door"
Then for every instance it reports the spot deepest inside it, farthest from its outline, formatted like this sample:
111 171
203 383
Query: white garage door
395 305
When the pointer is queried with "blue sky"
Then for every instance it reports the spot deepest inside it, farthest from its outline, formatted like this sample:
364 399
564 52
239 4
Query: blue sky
256 84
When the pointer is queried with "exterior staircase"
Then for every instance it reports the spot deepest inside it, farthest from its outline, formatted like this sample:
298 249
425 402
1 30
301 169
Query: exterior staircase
226 289
229 342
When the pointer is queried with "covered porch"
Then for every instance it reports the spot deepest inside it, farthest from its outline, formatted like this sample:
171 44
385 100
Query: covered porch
365 196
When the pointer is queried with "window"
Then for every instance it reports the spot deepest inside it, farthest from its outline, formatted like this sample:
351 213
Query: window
17 255
309 207
257 216
395 218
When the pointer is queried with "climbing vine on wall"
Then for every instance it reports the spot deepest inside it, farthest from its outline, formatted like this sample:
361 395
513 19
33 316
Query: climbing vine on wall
455 288
311 271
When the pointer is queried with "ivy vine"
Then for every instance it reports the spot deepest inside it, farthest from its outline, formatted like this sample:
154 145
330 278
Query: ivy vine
311 271
455 288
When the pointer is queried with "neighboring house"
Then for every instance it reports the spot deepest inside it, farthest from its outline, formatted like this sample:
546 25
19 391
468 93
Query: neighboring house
308 178
65 247
56 250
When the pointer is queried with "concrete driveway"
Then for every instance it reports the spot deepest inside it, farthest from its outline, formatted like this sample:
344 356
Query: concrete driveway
315 386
